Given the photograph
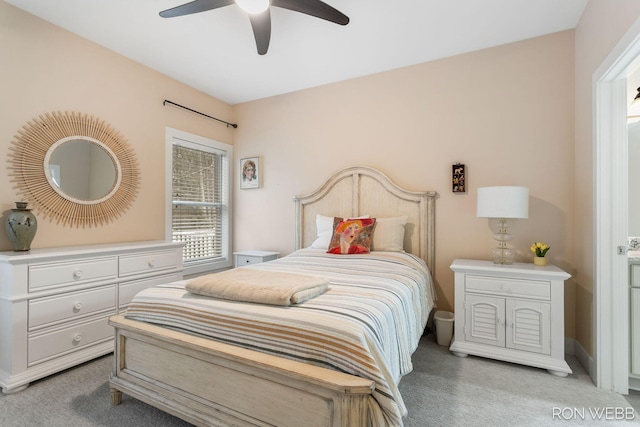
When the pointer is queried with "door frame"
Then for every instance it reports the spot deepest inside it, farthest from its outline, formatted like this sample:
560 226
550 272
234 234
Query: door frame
611 294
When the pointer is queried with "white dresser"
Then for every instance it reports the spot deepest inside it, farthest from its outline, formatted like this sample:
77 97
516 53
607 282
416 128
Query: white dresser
54 303
510 312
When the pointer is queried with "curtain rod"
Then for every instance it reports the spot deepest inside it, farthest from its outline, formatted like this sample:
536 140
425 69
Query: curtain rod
166 101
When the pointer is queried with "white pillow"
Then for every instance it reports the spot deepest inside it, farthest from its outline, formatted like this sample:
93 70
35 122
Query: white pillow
389 234
324 230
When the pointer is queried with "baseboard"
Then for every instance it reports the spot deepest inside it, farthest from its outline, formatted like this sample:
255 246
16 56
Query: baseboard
569 346
574 348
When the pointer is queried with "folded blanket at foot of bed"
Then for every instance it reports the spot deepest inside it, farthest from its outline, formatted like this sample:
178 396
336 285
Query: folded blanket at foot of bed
259 286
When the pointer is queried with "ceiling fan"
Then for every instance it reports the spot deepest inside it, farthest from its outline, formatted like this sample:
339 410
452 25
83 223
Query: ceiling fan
259 13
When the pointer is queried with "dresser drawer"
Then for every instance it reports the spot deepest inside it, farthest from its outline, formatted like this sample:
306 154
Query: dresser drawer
142 263
70 305
42 347
488 285
128 290
71 272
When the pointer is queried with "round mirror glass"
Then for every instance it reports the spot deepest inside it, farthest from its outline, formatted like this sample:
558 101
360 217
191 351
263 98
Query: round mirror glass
82 169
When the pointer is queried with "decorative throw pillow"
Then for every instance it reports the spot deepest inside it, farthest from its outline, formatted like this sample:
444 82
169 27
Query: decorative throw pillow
324 230
352 236
389 235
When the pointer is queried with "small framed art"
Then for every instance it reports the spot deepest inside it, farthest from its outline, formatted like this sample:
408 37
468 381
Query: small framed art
458 179
250 172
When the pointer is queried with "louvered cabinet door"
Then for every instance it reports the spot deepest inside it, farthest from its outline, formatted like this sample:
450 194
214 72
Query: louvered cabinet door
528 326
485 320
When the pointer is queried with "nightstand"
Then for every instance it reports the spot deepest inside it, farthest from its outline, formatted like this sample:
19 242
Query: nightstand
510 312
254 257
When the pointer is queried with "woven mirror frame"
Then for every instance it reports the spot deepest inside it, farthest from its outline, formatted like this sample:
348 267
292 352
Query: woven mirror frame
28 168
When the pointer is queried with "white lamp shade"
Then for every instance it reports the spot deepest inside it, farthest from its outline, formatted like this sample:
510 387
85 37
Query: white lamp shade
503 202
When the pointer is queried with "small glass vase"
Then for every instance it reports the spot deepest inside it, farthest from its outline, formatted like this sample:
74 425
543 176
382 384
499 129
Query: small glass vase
540 260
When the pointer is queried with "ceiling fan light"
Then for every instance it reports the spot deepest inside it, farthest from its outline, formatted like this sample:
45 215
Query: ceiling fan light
253 6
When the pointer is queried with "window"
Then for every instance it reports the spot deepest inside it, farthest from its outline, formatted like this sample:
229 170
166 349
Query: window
199 201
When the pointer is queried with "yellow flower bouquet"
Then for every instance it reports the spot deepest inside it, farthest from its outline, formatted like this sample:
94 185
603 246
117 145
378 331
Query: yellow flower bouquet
540 249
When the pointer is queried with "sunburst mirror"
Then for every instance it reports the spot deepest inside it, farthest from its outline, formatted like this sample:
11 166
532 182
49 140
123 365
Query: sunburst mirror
74 169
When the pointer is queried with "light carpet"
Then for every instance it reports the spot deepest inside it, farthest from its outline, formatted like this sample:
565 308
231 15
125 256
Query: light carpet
442 390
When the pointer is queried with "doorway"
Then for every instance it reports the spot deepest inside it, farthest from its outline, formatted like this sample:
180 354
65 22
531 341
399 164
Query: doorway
611 294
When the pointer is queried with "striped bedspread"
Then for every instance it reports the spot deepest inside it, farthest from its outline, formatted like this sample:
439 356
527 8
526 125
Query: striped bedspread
367 324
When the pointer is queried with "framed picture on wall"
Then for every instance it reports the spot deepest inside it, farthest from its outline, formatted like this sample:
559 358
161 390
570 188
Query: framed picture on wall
458 178
250 172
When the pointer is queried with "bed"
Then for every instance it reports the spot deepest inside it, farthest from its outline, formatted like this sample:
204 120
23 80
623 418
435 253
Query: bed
340 369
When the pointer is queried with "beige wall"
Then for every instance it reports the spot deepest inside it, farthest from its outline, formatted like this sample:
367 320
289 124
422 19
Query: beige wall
601 27
44 69
506 112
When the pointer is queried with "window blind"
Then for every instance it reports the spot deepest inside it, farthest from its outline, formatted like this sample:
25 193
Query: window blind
198 203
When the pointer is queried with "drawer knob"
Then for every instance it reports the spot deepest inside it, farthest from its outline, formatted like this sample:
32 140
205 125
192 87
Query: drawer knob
248 261
77 338
77 306
152 262
77 274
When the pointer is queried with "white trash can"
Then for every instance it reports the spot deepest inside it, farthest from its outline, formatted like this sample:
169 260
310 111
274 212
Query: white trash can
444 327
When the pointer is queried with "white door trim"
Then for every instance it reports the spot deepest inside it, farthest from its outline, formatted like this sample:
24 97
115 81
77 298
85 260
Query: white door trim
611 295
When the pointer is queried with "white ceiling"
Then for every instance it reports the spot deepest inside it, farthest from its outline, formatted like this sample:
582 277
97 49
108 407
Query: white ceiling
215 51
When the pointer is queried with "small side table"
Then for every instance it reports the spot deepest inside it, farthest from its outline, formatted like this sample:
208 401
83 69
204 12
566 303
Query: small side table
254 257
513 313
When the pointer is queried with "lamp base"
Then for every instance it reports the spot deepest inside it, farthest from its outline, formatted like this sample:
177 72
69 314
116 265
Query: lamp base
502 254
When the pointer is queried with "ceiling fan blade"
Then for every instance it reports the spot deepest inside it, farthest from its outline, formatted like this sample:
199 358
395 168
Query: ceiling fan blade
195 6
261 24
315 8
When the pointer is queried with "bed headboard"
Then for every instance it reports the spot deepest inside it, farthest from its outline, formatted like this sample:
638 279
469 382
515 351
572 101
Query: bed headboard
360 190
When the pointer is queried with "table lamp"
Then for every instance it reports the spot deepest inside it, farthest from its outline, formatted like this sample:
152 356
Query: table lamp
503 203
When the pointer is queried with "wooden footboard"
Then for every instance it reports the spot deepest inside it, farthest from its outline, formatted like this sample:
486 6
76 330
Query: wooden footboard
209 383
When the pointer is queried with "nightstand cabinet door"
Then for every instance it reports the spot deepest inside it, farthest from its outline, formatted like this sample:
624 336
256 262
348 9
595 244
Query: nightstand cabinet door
484 320
528 326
